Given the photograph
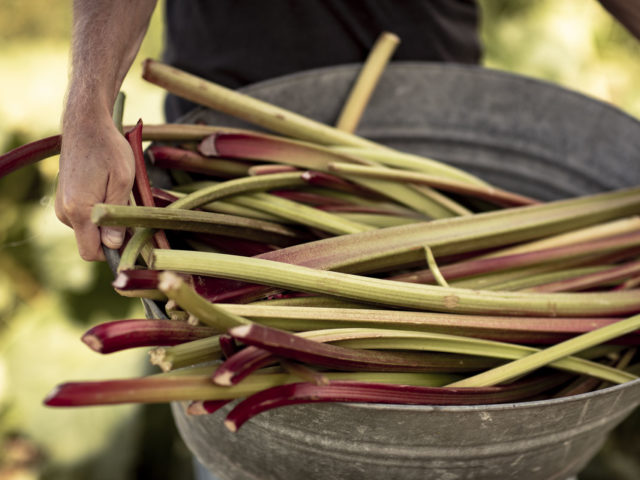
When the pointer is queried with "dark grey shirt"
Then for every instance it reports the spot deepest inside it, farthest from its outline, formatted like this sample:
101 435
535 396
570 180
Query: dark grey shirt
239 42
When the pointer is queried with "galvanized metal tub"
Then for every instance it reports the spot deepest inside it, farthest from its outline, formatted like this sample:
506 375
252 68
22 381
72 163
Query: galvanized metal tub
522 134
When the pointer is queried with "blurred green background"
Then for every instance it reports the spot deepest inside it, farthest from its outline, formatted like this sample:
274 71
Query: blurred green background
49 296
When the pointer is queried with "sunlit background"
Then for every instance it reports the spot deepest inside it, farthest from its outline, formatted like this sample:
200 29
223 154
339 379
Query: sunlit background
49 297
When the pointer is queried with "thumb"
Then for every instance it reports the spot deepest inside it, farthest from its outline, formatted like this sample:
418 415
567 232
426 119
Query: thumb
118 193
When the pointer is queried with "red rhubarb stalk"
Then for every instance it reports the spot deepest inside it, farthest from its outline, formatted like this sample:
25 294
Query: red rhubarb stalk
119 335
295 347
164 156
136 279
228 345
30 153
363 392
241 364
142 192
205 407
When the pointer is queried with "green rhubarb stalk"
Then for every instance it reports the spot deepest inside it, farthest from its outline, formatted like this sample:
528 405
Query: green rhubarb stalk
230 206
492 194
132 250
385 339
576 236
308 301
418 200
477 266
375 220
442 200
398 246
176 289
558 352
200 197
118 112
433 267
398 294
252 110
510 279
189 353
590 280
408 161
281 208
273 208
533 279
262 113
366 81
288 317
236 186
302 214
258 112
193 221
263 147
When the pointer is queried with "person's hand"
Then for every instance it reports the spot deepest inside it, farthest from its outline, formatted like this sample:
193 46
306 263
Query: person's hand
96 166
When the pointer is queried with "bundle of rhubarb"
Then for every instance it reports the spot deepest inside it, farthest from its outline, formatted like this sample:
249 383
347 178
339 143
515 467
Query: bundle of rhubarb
313 265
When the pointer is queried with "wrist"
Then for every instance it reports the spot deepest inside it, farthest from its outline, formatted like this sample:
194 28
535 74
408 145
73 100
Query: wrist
87 107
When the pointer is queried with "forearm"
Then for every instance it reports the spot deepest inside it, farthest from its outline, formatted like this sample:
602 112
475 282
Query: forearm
96 162
106 38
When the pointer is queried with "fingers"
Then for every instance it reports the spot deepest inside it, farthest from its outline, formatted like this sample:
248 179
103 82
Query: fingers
94 169
118 190
77 216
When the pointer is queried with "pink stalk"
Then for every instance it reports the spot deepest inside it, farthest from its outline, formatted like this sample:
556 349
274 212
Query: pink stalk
119 335
242 363
251 358
363 392
143 187
211 288
326 180
263 147
492 264
136 279
172 157
270 168
161 197
492 194
526 330
205 407
271 342
308 197
584 282
29 153
633 282
147 390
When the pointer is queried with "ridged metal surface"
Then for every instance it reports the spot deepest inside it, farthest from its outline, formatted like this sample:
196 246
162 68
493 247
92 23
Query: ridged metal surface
522 134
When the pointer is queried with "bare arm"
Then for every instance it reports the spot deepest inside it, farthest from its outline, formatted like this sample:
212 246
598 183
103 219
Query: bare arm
96 163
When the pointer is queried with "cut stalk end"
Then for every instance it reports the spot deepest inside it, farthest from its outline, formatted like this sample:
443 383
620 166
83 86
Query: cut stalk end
93 342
